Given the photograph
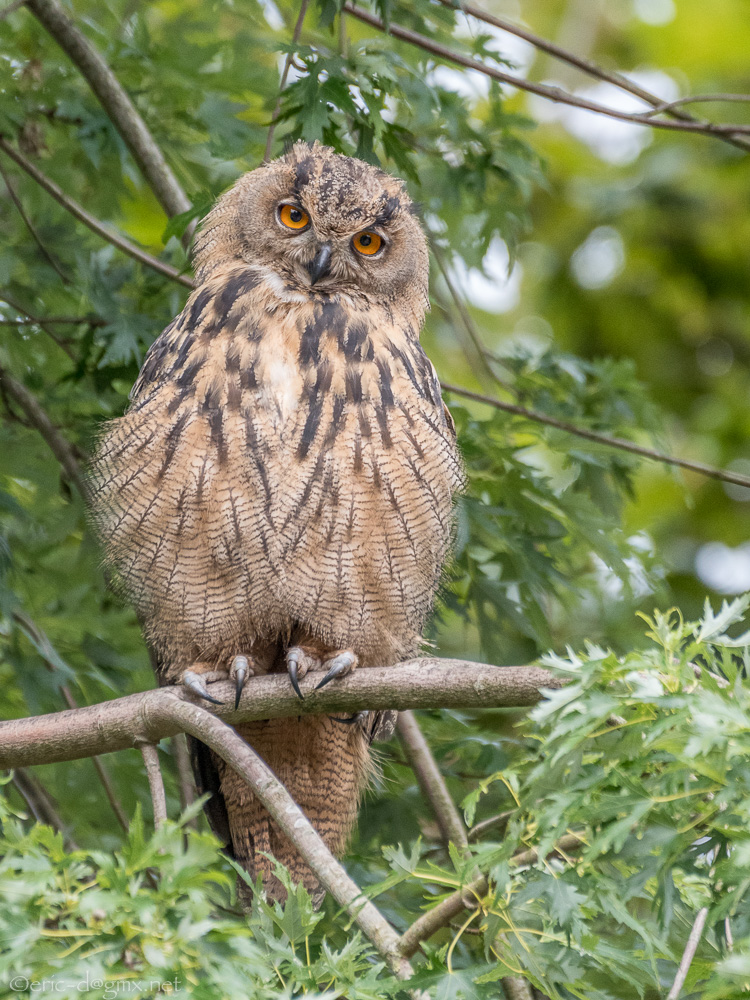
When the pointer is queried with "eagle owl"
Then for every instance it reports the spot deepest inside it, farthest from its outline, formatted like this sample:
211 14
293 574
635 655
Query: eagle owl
278 496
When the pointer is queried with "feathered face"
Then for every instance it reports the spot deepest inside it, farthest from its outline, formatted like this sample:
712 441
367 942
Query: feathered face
322 223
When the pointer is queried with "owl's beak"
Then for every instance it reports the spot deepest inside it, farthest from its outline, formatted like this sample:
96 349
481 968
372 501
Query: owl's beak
320 265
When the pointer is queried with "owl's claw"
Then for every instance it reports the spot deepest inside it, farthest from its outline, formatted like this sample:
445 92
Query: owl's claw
339 666
195 683
297 665
239 670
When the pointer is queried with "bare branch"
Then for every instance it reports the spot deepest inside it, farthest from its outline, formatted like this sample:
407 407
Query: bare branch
91 221
59 445
500 821
667 107
431 781
150 756
687 956
555 94
284 76
422 683
291 821
184 772
441 915
51 659
592 69
611 442
115 102
40 803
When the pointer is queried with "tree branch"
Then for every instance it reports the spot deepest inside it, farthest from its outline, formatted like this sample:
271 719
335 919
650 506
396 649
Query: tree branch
431 781
671 108
91 221
150 756
555 94
689 954
291 821
184 772
605 439
120 723
60 447
115 102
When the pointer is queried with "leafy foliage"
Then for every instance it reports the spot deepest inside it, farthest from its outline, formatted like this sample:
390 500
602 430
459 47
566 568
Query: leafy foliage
643 754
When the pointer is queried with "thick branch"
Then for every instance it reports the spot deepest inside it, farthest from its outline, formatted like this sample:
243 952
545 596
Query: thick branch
91 221
290 819
115 102
611 442
61 448
555 94
121 723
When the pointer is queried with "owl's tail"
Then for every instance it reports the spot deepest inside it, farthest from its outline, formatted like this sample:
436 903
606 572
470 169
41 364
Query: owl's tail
324 766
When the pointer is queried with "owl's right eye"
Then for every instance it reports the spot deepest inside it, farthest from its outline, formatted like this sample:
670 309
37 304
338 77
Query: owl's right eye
293 217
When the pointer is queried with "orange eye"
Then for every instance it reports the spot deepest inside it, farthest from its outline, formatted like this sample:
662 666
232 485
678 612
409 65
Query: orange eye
293 217
367 243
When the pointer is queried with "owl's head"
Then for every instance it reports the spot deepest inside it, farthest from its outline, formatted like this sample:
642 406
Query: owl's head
323 223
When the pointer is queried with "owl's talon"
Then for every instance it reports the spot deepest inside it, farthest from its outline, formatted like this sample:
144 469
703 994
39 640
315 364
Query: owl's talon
240 669
292 668
339 666
195 683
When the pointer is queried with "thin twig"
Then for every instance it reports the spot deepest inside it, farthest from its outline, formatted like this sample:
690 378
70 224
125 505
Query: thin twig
59 445
150 756
27 320
91 221
689 953
31 228
611 442
41 804
667 106
428 682
556 94
37 321
184 772
671 108
51 659
431 781
292 822
282 83
500 821
115 102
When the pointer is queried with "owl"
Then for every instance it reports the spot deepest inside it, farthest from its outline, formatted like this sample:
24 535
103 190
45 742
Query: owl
279 495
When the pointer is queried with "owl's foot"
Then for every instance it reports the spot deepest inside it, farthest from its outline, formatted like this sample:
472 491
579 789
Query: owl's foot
196 683
301 659
339 663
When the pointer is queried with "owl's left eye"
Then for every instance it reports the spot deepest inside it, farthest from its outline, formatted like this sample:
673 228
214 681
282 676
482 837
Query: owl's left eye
293 217
367 243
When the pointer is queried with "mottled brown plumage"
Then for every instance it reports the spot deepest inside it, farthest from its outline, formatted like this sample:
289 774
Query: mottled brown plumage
283 479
